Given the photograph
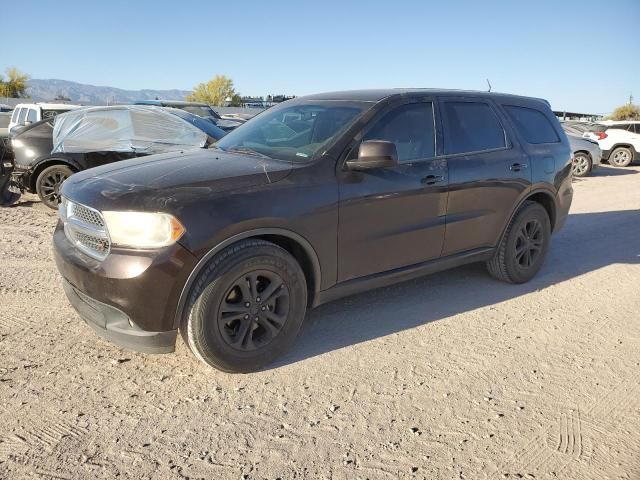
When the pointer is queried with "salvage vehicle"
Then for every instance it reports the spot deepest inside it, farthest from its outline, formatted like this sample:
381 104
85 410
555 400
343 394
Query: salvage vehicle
200 109
48 152
231 245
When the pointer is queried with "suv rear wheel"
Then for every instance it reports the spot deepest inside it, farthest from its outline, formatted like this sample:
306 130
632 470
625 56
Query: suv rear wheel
246 308
621 157
521 252
49 182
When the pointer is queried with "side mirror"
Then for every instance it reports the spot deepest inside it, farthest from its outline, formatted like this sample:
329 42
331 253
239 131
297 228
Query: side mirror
374 154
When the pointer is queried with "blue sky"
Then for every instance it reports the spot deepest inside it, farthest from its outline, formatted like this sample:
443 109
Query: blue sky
581 55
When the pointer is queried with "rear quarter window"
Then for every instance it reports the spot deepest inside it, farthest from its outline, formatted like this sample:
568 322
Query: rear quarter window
532 124
23 113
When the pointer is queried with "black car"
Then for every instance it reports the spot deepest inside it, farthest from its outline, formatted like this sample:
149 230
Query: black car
197 108
317 198
96 136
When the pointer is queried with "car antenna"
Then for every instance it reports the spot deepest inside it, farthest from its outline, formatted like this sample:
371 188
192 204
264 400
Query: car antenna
489 84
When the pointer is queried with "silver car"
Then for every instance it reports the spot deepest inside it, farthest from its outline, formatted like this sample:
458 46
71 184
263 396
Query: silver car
586 155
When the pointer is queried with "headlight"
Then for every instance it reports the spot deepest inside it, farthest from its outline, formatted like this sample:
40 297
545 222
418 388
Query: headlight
142 229
17 143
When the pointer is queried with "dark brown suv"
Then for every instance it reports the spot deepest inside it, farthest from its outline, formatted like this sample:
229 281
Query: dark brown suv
320 197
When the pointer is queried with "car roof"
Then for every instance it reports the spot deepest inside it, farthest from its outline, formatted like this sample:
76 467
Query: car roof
618 122
56 106
171 102
376 95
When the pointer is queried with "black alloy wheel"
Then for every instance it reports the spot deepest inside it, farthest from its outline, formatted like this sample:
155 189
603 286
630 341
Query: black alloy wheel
254 310
49 183
246 307
529 242
523 247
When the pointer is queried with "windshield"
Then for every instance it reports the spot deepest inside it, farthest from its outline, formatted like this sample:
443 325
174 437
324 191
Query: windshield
295 133
200 110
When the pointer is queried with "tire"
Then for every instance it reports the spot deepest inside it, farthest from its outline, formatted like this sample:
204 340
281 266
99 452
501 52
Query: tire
582 164
528 236
228 325
7 198
49 182
621 157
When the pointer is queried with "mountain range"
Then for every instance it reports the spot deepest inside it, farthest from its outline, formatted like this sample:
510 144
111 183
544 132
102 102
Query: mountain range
41 90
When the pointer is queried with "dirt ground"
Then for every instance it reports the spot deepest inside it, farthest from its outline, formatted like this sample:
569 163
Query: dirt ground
450 376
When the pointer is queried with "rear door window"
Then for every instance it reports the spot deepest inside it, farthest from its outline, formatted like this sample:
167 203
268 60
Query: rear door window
532 124
15 114
411 128
471 127
32 116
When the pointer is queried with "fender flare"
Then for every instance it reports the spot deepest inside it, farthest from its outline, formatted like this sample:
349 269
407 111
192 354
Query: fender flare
258 232
47 161
525 197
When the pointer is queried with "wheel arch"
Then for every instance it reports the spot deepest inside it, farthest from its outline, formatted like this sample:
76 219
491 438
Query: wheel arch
46 163
295 244
540 195
630 146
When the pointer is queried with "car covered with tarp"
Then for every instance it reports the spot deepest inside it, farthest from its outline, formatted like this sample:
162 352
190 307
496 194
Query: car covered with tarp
48 152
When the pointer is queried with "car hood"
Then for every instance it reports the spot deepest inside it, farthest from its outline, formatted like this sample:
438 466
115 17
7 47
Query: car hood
170 181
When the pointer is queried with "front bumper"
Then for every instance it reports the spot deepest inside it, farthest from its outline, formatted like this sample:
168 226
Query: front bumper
115 326
131 297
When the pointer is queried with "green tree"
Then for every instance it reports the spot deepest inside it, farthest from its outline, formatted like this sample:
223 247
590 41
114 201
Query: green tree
16 84
626 112
214 92
236 101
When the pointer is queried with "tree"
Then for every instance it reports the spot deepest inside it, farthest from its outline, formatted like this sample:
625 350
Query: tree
626 112
236 101
214 92
62 98
16 84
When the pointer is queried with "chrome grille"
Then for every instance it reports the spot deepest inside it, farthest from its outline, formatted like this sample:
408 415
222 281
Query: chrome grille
85 229
86 215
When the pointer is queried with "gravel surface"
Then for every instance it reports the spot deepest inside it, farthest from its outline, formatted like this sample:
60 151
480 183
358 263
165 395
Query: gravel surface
450 376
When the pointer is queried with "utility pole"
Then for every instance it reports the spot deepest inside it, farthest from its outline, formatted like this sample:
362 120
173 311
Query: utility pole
631 99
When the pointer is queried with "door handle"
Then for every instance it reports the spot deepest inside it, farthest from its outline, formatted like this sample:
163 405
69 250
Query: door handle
516 167
432 179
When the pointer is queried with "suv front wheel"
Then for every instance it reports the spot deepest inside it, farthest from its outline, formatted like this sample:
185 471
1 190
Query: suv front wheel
582 164
246 308
521 252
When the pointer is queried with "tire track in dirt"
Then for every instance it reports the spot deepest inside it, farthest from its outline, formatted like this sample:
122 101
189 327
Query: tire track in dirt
38 438
575 437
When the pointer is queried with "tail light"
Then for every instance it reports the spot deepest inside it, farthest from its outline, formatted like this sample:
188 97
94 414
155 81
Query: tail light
601 135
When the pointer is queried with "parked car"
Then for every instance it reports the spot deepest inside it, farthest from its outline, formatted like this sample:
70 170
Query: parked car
619 141
231 245
49 151
27 113
200 109
6 161
5 149
586 153
4 108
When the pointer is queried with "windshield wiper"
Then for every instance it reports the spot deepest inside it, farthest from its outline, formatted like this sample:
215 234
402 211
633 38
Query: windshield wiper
248 151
